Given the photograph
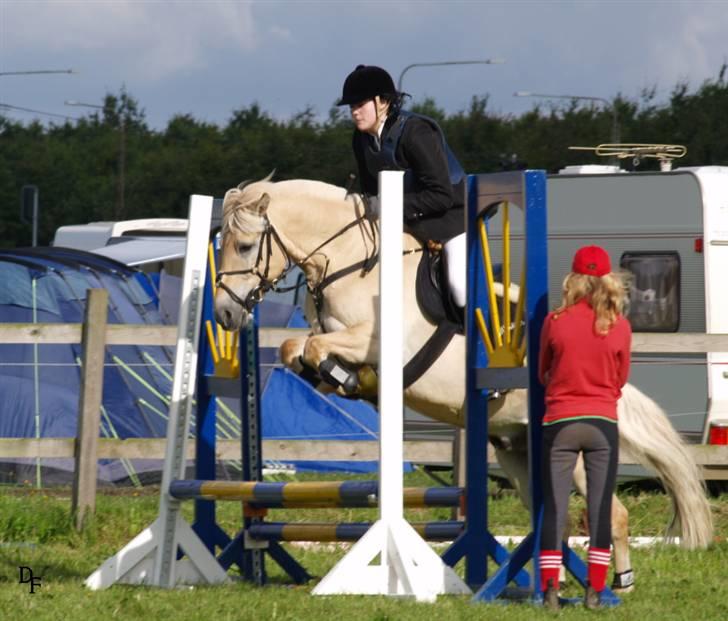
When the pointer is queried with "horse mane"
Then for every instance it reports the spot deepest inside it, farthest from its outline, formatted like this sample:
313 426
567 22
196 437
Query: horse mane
249 192
243 184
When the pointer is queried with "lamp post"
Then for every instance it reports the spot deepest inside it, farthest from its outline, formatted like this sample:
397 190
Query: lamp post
610 106
6 106
37 72
120 207
487 61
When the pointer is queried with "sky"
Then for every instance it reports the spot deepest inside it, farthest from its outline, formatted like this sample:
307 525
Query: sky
207 58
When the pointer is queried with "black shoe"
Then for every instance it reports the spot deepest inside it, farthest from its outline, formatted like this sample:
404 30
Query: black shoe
592 598
551 597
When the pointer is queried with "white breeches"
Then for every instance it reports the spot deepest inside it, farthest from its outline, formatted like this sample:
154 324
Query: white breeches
455 263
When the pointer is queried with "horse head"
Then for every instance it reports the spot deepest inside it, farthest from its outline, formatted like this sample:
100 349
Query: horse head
252 257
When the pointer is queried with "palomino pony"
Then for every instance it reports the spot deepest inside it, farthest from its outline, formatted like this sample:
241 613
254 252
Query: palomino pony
269 227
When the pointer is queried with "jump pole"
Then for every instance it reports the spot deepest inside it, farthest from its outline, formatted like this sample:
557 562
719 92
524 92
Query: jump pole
407 566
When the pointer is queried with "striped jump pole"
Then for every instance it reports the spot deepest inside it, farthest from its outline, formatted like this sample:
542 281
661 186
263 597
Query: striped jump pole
351 531
311 495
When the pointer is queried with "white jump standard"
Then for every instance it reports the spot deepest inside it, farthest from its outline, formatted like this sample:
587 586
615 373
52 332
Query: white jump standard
408 565
151 557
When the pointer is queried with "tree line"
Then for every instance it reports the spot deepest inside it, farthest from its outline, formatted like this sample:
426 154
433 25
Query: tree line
111 166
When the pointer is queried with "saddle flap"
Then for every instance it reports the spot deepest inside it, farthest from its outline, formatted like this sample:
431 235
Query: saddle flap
433 295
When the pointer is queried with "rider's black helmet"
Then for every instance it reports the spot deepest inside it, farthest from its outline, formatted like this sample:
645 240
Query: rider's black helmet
366 82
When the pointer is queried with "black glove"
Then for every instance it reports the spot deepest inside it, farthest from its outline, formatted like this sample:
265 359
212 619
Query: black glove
411 214
372 205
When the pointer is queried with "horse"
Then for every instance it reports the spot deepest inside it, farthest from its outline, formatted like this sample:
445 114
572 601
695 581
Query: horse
270 227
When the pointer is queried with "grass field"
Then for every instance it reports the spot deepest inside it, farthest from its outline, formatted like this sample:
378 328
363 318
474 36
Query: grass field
35 532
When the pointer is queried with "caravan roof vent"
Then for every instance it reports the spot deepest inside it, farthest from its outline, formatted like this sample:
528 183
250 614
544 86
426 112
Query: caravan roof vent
590 169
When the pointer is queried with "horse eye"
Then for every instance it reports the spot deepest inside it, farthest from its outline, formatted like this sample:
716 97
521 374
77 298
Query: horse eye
243 248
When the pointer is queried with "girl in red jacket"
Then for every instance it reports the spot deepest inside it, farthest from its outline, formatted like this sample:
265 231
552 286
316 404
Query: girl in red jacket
584 362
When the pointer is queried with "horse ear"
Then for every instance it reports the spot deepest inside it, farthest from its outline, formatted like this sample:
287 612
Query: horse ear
262 205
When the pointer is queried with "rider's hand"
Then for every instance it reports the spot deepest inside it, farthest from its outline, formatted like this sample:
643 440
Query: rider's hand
373 205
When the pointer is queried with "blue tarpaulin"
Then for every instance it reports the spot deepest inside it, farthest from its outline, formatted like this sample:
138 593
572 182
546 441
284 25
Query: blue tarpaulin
39 384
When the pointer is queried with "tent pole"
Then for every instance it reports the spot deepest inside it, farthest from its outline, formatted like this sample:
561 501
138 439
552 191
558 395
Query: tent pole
38 482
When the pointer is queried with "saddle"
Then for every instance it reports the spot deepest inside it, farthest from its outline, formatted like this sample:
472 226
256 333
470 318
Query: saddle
435 302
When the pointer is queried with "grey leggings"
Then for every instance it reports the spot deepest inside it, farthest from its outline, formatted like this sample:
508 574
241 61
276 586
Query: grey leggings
599 441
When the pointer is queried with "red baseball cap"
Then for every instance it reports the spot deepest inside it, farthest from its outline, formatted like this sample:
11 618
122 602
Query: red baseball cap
591 260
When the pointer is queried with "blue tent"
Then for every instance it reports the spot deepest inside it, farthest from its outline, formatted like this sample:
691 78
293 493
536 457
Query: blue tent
39 384
292 410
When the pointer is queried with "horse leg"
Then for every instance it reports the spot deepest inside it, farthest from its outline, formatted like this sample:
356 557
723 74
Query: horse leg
515 467
353 345
291 350
623 575
291 353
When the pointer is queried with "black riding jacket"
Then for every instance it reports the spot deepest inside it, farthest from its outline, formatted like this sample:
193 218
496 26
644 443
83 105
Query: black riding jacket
433 206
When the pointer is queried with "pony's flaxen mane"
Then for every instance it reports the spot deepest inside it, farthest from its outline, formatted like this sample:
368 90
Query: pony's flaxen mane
238 212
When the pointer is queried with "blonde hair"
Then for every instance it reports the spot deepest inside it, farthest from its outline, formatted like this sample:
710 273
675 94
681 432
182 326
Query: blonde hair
381 108
606 294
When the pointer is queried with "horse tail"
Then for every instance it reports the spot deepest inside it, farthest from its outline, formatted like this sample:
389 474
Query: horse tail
647 434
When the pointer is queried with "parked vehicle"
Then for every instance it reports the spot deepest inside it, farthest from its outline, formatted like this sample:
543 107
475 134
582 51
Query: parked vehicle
670 230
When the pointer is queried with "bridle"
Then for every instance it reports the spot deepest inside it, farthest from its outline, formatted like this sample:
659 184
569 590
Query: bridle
270 237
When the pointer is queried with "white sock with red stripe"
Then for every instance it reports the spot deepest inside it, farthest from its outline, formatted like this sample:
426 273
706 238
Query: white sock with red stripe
550 561
598 566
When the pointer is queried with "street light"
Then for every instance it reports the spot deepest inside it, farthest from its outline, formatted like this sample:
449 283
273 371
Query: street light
488 61
120 207
73 102
6 106
612 108
37 71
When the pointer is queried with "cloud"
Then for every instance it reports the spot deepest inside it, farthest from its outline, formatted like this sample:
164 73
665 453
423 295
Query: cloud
693 49
151 40
280 33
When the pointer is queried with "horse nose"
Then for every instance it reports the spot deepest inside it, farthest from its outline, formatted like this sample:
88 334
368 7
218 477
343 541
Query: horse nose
224 317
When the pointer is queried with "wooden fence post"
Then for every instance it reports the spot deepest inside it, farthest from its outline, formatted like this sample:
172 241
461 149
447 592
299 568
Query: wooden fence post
83 500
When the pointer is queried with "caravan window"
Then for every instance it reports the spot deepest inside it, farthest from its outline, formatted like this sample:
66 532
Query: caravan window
654 299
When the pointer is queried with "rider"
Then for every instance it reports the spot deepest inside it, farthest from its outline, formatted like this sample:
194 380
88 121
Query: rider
584 362
389 138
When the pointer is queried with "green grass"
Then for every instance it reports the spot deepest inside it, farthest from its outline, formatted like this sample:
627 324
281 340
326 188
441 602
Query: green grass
35 531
